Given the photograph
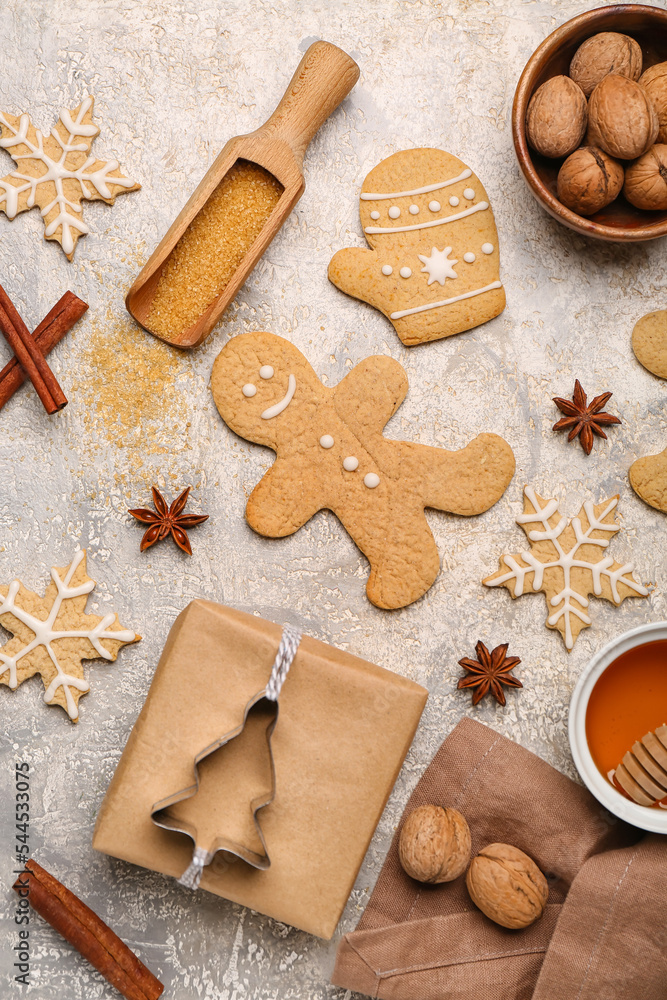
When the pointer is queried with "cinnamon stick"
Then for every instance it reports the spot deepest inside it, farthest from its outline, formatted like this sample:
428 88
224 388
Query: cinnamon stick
31 358
26 360
90 936
50 332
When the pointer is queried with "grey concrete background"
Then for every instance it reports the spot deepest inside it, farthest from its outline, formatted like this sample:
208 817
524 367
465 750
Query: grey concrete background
172 82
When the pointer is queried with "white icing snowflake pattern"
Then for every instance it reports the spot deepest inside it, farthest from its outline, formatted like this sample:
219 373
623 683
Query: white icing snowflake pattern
56 174
438 266
560 549
39 650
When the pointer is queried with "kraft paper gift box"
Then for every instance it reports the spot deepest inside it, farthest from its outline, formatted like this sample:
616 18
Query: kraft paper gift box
343 730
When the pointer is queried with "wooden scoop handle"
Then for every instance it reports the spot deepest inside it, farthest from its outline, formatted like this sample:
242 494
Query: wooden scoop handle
323 78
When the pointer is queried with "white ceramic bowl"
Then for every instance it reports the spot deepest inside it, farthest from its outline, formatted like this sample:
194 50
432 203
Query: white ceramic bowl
644 817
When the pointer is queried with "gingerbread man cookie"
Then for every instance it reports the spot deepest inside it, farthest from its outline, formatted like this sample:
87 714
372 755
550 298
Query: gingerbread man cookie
433 269
331 454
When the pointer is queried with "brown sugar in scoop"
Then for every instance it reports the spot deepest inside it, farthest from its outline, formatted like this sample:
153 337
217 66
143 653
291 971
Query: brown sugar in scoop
212 247
238 207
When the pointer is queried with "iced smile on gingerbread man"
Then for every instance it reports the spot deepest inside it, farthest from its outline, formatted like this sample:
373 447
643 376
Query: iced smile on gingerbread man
331 454
433 266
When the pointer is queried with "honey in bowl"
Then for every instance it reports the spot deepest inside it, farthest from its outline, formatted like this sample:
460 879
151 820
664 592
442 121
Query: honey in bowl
625 724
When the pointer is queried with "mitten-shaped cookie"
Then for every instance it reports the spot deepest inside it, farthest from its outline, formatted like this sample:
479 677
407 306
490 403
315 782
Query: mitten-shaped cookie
433 269
332 454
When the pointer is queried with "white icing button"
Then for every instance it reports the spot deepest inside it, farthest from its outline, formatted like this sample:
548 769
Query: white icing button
434 206
405 272
249 390
266 371
350 463
327 441
487 247
414 210
469 258
453 201
371 480
394 212
387 269
375 215
469 194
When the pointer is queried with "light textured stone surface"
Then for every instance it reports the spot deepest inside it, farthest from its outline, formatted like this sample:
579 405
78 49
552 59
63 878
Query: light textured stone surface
172 82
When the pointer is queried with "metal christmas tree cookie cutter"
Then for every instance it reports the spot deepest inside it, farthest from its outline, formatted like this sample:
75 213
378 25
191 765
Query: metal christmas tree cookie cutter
201 857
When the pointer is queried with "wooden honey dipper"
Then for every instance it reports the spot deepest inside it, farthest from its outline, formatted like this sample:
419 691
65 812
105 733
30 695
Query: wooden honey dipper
642 774
275 152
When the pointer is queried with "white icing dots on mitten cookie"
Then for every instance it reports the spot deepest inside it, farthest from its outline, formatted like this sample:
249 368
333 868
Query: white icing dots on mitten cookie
327 441
350 464
371 480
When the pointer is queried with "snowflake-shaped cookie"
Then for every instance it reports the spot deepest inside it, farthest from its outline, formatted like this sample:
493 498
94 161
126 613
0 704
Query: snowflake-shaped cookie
566 561
53 634
56 173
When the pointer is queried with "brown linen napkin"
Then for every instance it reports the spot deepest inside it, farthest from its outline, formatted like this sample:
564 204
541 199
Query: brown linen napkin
420 942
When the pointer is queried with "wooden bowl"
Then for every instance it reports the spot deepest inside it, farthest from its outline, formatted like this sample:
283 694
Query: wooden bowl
619 222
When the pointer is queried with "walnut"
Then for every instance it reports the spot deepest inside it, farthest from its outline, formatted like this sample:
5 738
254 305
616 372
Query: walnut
654 82
622 119
589 180
556 117
646 180
608 52
507 886
434 845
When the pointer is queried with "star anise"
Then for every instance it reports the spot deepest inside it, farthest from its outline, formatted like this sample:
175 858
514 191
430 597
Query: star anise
582 418
168 520
489 672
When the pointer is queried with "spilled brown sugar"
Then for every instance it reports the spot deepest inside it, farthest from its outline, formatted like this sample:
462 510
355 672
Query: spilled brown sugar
211 249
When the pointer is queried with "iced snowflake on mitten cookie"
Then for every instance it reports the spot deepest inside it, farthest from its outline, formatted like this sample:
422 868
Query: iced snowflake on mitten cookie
566 561
433 266
52 635
55 172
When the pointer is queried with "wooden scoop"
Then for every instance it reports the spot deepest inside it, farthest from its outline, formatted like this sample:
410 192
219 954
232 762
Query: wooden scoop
323 78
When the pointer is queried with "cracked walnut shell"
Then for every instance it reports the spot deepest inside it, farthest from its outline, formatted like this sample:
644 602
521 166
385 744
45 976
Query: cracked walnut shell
654 82
646 180
622 119
434 845
507 886
602 54
589 180
556 117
